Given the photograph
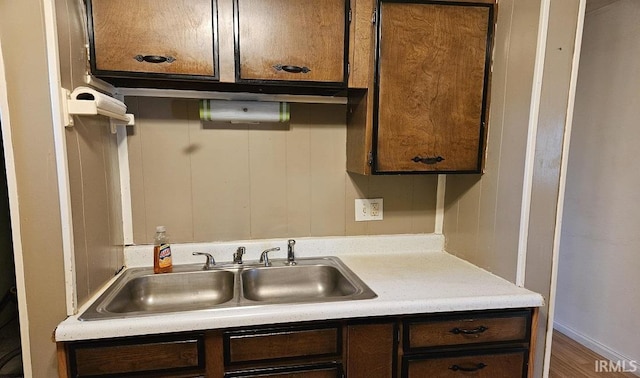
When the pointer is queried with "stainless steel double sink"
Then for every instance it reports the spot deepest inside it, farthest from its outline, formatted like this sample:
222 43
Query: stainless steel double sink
140 292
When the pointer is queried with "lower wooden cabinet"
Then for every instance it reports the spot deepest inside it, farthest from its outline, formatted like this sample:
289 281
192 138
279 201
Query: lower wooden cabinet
469 344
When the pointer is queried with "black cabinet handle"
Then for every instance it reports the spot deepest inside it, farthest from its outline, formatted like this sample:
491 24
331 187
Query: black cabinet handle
154 58
428 160
475 331
468 369
291 69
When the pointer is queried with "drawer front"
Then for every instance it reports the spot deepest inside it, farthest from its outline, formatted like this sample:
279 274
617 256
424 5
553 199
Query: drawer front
333 370
146 356
486 365
465 330
282 343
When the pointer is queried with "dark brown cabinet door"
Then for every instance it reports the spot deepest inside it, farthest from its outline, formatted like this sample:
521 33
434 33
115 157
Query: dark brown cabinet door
174 37
371 350
433 71
291 40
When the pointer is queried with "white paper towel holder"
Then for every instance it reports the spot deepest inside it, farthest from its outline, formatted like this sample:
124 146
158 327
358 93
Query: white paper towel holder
73 106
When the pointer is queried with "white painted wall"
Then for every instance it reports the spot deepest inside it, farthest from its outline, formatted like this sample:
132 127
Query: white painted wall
598 296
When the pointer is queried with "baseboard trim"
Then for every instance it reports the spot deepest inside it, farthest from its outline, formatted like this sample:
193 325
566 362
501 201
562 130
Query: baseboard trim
592 344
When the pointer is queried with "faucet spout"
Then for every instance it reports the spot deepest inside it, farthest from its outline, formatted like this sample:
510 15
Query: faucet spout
210 263
237 256
264 257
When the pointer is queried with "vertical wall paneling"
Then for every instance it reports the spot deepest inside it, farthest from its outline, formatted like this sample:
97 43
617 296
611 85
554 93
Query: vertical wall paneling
267 181
424 205
482 213
531 141
299 160
53 63
357 186
221 182
239 181
327 168
545 183
93 167
163 128
562 182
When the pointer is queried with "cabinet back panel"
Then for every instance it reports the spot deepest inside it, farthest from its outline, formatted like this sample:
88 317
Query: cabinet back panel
212 181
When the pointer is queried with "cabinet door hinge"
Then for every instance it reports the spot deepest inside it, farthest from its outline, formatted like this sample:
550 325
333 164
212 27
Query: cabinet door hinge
370 158
374 16
350 14
348 69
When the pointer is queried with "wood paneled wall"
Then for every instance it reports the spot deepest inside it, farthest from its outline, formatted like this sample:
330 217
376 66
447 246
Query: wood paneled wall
482 215
94 177
215 181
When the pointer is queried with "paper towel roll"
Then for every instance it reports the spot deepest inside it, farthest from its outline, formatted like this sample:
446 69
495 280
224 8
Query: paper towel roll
244 111
102 100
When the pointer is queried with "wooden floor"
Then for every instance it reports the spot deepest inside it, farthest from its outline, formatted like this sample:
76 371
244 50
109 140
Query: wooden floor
572 360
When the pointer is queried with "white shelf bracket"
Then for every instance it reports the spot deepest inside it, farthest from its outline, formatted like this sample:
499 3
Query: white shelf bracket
94 103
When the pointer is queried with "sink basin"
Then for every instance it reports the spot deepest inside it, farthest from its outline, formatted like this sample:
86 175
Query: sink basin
140 292
302 283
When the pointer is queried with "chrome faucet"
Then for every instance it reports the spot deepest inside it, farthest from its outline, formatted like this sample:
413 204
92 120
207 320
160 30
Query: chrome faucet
264 257
210 263
237 256
291 258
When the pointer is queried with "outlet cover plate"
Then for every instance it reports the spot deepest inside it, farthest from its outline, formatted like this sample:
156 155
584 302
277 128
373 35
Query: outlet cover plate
368 209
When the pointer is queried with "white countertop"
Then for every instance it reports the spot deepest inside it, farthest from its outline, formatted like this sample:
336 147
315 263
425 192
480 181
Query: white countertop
415 277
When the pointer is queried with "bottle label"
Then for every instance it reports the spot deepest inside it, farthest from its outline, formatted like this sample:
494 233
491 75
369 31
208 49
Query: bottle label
164 256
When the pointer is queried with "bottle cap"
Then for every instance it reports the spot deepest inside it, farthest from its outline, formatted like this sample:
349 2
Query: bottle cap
161 229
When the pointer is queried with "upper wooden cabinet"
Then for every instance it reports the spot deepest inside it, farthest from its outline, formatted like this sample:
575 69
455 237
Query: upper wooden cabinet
143 37
426 111
292 40
258 42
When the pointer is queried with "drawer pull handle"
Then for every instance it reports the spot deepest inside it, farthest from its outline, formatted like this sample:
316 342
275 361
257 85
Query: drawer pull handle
475 331
477 367
291 69
154 58
428 160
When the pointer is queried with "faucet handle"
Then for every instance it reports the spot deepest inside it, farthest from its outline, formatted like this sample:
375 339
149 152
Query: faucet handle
237 256
264 257
210 263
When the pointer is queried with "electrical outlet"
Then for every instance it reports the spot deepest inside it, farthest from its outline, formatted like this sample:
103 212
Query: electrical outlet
368 209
